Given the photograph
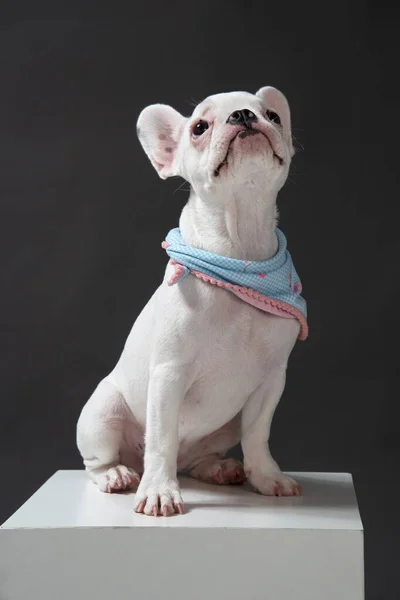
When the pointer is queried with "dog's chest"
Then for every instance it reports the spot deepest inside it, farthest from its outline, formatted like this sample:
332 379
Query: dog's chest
236 343
224 348
237 349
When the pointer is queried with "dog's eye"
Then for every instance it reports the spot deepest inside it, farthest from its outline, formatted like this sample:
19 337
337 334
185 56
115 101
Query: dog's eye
200 128
273 117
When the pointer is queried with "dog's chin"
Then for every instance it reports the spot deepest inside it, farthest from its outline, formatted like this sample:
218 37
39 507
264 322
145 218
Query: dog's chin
245 155
244 149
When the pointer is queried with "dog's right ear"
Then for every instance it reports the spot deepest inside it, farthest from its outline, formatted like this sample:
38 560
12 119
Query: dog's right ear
159 129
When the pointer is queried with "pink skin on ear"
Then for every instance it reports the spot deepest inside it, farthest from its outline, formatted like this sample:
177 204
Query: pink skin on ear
159 129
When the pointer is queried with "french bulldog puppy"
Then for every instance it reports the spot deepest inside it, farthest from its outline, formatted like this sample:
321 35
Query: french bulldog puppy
204 365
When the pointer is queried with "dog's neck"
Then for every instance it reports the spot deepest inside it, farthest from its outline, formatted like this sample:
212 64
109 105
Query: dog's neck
240 227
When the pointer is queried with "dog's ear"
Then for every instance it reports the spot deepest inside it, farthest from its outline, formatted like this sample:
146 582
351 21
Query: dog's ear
275 101
159 128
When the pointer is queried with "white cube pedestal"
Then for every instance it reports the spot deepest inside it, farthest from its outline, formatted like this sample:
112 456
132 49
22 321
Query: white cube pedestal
69 541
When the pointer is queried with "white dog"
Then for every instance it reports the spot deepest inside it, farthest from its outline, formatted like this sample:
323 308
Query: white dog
204 365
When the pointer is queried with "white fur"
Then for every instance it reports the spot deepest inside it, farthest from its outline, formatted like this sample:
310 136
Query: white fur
201 370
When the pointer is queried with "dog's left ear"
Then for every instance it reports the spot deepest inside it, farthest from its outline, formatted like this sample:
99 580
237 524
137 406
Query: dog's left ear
159 129
274 100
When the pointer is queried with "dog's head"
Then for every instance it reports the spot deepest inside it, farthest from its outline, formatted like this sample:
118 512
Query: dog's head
231 140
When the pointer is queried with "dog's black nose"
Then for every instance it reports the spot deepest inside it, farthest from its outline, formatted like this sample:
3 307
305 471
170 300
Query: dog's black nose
242 117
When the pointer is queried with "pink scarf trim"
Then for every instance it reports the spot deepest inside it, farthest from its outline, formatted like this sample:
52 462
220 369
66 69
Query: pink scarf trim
264 303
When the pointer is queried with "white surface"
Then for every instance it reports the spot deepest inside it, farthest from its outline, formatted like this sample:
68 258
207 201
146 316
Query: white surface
69 499
71 541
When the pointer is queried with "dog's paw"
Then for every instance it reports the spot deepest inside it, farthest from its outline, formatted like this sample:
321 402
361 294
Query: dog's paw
221 471
158 498
276 484
117 479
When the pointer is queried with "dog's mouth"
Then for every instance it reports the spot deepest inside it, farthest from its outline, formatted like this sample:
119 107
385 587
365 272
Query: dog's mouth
243 134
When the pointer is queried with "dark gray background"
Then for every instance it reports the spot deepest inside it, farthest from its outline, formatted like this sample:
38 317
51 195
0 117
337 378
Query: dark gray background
83 214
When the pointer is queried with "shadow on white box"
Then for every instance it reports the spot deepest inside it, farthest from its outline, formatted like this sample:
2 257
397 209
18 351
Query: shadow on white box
70 541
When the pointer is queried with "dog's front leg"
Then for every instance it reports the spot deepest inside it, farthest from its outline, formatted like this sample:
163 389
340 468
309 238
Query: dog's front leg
262 470
158 492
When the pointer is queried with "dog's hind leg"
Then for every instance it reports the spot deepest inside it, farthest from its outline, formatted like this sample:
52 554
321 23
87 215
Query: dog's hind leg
207 462
100 439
